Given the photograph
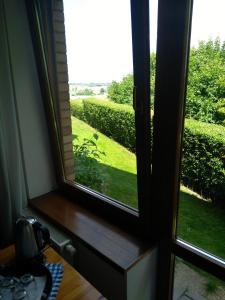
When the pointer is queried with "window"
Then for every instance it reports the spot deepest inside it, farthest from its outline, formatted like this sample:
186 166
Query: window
171 73
158 170
103 118
201 214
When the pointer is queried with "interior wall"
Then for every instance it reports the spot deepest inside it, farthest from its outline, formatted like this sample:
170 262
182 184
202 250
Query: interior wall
38 164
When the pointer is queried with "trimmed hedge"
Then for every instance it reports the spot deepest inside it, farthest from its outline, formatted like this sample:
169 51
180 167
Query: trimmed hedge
77 109
112 119
203 163
220 115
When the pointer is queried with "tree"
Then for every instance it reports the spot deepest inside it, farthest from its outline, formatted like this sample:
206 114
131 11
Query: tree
206 83
102 91
85 92
122 92
206 80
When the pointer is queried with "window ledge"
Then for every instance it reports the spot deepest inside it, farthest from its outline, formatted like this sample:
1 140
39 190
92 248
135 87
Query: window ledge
115 245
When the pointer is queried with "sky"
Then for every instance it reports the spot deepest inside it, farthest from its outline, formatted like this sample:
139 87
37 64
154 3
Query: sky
98 35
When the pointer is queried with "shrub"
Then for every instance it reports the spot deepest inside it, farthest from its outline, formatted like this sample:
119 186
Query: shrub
203 163
122 92
86 164
112 119
206 80
77 109
220 112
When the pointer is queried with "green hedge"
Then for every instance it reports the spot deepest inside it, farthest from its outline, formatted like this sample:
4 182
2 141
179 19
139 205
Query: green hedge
77 109
220 115
203 164
112 119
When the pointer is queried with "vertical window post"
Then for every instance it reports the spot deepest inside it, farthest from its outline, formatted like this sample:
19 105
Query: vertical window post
174 21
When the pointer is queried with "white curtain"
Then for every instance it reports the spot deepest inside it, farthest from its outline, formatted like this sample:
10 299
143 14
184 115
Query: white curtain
12 180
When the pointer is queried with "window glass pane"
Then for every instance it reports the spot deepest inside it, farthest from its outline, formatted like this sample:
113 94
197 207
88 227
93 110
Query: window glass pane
191 282
153 6
202 195
99 52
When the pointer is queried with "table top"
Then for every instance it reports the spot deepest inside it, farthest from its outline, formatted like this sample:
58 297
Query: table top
73 285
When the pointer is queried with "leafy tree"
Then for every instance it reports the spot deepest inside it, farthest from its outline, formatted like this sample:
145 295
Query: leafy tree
85 92
206 80
102 91
122 92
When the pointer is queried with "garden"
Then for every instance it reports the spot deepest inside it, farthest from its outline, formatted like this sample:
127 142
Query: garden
104 146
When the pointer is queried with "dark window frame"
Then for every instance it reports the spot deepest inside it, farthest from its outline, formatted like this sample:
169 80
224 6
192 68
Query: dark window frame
158 200
173 44
135 220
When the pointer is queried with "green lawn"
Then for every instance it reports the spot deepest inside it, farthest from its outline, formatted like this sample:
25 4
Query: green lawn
117 166
200 222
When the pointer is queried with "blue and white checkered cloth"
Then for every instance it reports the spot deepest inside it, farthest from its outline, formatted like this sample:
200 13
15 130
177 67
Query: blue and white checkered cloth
56 271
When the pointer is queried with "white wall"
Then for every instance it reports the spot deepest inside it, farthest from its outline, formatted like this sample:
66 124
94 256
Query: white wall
38 163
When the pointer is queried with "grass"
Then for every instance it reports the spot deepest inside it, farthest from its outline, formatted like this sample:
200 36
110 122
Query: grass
117 166
199 222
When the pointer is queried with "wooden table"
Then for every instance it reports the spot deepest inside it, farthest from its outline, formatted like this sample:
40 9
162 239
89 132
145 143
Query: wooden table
73 285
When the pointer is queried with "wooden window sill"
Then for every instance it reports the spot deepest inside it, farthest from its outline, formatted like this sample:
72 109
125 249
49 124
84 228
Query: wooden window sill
116 246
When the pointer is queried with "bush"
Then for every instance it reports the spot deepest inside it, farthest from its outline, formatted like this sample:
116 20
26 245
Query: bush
86 164
203 163
77 109
220 112
112 119
122 92
206 80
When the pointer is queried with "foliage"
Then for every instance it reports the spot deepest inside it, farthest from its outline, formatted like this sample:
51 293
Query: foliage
85 92
220 112
114 120
206 80
117 167
85 159
122 92
77 109
203 165
102 91
152 76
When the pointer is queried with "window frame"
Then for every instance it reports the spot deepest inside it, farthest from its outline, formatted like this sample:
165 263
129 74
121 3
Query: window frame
157 215
136 220
173 45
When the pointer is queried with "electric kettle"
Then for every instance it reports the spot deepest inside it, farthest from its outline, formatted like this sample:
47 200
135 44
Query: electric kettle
31 237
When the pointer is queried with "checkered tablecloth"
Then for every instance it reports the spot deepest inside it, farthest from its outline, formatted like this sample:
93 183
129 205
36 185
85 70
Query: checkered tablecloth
57 275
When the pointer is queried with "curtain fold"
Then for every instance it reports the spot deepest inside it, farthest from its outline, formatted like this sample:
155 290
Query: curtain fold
12 179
